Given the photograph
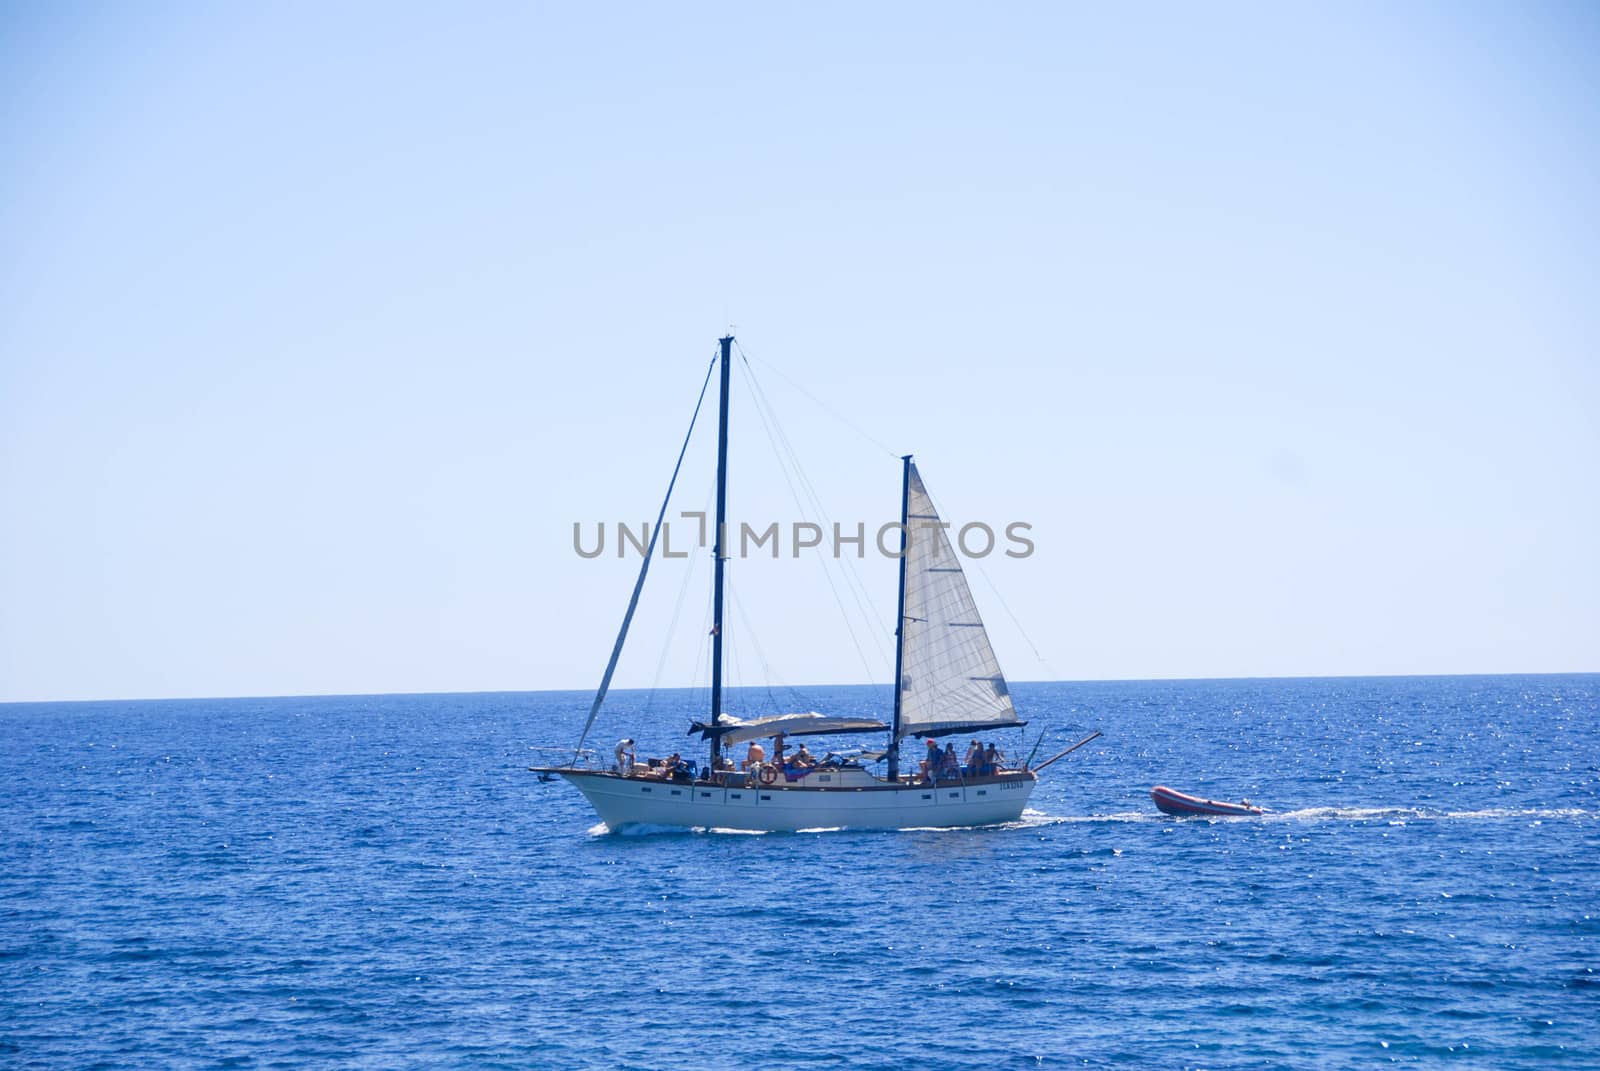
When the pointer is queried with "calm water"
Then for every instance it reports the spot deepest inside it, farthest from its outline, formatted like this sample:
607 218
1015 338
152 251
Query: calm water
378 882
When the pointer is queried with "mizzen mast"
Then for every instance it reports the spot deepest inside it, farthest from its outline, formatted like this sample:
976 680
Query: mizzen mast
720 551
900 620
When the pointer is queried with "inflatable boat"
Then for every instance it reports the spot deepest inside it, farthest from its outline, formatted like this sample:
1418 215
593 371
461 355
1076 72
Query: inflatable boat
1171 801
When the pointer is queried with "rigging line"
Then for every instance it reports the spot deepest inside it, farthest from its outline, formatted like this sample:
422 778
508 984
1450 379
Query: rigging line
848 568
730 653
644 568
845 566
761 656
677 612
698 696
858 589
742 679
978 564
821 559
766 666
786 452
1016 621
746 630
847 422
786 460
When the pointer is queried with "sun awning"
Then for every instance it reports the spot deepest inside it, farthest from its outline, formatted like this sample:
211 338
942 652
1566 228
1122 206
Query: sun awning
733 730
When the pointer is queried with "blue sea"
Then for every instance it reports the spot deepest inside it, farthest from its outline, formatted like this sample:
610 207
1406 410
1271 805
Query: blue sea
379 882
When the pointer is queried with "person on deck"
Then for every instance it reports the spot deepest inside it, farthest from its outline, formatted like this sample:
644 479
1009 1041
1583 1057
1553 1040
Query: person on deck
974 758
991 758
803 757
777 751
951 765
625 756
930 764
755 756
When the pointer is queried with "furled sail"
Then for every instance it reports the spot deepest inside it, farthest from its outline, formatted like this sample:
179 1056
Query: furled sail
950 681
736 730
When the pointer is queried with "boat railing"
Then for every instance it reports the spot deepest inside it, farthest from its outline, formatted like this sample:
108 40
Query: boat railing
582 758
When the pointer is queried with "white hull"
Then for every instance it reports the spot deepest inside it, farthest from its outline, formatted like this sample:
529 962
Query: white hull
632 801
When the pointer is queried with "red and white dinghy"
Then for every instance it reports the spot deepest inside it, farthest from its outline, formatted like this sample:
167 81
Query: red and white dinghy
1171 801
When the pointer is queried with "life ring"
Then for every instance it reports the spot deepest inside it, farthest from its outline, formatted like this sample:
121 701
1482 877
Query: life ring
768 774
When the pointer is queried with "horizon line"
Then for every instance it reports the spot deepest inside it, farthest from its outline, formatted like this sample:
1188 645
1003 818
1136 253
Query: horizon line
786 687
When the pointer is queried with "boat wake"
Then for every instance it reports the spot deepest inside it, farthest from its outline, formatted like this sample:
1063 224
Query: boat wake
646 829
1029 820
1408 814
1117 816
649 829
1038 819
1032 819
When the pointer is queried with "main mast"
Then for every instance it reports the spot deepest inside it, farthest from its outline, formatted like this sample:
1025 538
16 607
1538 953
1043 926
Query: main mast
719 551
900 618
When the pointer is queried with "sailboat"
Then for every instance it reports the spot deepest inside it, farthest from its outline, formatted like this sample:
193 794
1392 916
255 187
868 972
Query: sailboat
947 681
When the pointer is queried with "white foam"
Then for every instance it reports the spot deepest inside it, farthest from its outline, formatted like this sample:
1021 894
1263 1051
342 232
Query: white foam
1409 814
1032 819
636 829
1117 816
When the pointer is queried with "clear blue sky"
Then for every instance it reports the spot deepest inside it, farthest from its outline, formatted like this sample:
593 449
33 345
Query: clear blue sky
319 328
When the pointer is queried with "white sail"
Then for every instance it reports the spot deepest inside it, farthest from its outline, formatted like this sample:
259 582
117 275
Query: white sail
950 681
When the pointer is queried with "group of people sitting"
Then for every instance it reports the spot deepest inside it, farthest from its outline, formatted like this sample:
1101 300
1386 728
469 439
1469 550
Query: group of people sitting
981 761
755 755
676 767
940 764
